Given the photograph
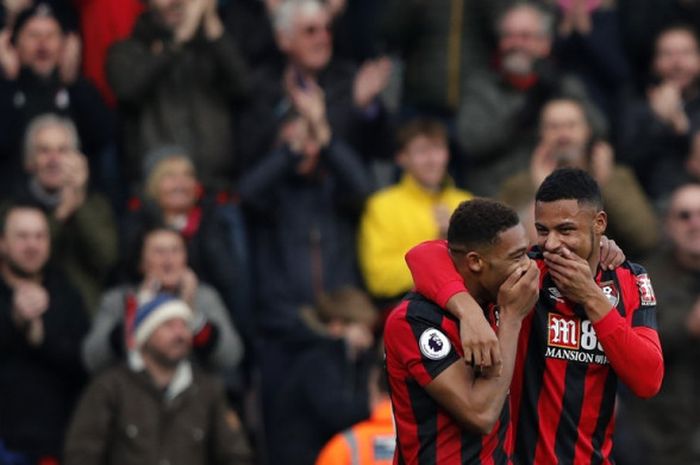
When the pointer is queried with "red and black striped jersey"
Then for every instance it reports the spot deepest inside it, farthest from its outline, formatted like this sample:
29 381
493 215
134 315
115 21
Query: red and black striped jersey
564 385
567 368
421 341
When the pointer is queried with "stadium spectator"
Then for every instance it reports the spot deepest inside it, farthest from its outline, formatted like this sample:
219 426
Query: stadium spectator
42 321
567 140
641 21
41 66
499 110
162 268
304 199
668 425
177 79
369 442
589 46
159 408
692 162
249 22
441 44
655 129
328 388
354 112
416 209
103 22
212 225
83 227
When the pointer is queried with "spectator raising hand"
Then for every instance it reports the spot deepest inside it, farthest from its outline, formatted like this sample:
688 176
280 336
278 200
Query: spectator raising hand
577 17
183 86
602 163
666 102
309 100
74 187
193 14
371 79
70 60
82 223
9 61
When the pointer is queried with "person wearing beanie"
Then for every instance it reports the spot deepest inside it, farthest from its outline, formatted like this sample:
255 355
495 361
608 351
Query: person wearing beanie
212 224
153 313
158 407
160 266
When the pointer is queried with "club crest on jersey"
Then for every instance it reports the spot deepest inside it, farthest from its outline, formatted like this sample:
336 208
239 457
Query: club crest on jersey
434 344
646 292
611 292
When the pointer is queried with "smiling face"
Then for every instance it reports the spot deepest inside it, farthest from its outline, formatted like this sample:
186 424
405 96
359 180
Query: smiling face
174 185
564 127
39 44
683 220
309 42
485 268
677 58
501 259
523 39
572 225
164 258
51 146
25 243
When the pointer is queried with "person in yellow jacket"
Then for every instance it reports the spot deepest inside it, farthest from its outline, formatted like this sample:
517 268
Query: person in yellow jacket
371 442
414 210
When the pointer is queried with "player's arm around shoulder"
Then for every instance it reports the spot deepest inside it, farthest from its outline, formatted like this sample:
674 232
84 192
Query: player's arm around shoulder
476 401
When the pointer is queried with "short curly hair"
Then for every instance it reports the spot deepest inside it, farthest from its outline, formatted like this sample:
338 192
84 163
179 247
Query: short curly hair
478 222
570 184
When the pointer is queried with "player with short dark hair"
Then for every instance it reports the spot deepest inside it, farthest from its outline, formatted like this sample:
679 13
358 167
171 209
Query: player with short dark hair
570 184
479 222
446 411
591 329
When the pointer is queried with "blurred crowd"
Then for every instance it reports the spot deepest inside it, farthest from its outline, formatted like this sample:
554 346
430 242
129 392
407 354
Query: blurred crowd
206 206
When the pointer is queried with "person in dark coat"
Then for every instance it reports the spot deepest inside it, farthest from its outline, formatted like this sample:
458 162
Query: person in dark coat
178 80
656 127
42 323
211 223
304 199
158 408
354 111
83 225
667 426
327 389
41 67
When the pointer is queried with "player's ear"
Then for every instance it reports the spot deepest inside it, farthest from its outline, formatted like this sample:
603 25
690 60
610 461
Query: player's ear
474 262
600 223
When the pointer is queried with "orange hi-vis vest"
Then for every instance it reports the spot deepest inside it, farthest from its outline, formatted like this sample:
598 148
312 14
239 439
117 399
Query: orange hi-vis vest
371 442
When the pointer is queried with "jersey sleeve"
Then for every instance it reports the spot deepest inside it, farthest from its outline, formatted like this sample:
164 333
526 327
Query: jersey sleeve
632 344
434 274
420 347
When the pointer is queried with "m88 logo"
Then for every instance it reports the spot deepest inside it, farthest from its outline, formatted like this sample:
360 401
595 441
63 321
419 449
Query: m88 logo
569 332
